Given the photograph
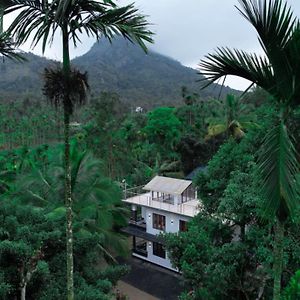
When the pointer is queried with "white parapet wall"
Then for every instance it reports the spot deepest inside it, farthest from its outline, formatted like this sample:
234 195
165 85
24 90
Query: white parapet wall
189 208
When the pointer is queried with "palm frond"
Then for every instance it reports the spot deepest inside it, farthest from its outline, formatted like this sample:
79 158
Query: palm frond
238 63
292 51
35 16
64 6
77 159
103 21
278 168
97 18
278 32
273 21
7 48
279 35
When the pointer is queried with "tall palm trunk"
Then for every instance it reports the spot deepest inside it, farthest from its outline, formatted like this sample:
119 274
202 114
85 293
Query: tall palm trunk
68 191
23 293
278 259
1 18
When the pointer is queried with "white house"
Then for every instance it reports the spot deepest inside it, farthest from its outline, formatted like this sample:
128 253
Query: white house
167 206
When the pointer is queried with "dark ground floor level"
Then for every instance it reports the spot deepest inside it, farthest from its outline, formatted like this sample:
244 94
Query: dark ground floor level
158 282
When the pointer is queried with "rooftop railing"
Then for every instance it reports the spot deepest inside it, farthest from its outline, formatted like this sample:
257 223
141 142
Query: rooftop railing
189 208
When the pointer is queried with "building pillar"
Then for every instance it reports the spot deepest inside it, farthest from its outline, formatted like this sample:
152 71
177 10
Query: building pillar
134 219
133 242
134 213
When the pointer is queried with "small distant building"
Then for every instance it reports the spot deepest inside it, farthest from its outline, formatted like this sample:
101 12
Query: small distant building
167 206
139 109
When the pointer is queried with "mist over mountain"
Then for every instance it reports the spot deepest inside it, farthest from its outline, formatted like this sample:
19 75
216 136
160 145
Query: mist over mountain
140 79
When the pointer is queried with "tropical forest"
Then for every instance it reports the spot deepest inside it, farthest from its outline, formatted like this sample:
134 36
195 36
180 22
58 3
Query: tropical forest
127 175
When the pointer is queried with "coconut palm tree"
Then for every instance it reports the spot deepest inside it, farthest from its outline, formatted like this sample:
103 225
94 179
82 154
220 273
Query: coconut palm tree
277 72
236 118
41 20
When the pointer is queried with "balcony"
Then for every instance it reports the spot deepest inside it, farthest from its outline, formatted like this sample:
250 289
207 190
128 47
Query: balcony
140 224
189 208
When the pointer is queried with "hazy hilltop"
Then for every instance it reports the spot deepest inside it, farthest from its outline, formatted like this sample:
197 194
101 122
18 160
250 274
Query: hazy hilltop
18 79
151 79
140 79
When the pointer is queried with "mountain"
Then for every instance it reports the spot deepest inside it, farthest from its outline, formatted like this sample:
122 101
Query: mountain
140 79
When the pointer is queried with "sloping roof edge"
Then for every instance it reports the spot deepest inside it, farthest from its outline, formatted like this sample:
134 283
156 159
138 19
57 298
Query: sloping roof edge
167 185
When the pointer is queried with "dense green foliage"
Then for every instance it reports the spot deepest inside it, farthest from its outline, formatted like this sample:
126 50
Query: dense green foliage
65 86
292 291
171 141
32 243
72 161
131 144
127 145
28 123
32 225
277 73
229 253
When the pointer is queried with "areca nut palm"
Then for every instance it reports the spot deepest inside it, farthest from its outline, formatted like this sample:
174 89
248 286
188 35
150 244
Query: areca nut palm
40 20
277 72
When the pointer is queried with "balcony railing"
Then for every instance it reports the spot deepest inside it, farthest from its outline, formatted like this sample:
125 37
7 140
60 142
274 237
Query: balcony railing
141 224
164 199
189 208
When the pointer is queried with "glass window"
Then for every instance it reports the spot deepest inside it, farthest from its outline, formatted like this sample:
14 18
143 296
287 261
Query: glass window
158 250
159 222
182 225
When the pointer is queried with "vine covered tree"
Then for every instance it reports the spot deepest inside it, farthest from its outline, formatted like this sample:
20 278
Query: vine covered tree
41 20
277 72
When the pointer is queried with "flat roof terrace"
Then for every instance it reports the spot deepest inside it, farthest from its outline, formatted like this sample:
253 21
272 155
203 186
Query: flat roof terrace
189 208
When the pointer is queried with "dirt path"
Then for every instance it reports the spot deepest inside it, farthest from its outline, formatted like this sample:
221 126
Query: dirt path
133 293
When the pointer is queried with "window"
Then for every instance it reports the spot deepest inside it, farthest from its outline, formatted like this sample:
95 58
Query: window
182 225
159 250
159 222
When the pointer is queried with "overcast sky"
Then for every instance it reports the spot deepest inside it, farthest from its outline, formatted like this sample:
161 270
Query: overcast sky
187 30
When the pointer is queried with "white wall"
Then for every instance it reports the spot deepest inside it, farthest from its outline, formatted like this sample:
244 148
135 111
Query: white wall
156 260
177 199
143 212
172 225
172 220
165 262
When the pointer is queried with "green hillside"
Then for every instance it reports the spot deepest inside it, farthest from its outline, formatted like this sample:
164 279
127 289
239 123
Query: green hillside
142 80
